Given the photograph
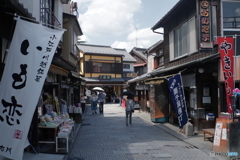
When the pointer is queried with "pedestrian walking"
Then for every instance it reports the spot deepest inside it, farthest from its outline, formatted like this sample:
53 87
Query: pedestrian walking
94 100
120 100
129 110
101 99
123 102
83 103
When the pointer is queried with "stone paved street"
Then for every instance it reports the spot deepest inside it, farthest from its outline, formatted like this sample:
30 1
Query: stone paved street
106 137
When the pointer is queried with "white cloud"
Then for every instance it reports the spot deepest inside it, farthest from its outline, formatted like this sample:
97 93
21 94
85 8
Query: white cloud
109 17
123 45
113 20
145 39
85 38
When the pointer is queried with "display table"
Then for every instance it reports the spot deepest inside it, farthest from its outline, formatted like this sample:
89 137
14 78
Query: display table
77 117
66 134
49 132
53 131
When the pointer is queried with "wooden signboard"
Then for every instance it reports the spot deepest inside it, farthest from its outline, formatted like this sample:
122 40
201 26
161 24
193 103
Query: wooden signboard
220 135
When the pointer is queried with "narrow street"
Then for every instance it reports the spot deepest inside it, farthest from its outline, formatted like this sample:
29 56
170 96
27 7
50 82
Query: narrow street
106 137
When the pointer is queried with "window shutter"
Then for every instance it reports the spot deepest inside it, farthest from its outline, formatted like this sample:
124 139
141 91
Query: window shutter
88 67
192 35
118 68
171 46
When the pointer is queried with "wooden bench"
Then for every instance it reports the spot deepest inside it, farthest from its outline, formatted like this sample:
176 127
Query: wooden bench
208 133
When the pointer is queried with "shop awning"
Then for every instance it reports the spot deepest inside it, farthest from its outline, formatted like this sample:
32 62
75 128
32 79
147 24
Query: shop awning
158 80
198 61
165 70
76 75
90 79
57 70
101 84
139 78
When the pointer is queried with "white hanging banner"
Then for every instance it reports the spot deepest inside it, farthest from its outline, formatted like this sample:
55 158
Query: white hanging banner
28 61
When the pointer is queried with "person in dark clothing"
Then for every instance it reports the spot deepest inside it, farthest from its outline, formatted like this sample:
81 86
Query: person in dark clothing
101 99
129 110
83 103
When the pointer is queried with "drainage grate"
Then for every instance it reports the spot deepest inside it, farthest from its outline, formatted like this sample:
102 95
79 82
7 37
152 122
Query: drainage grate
171 146
188 147
191 147
85 124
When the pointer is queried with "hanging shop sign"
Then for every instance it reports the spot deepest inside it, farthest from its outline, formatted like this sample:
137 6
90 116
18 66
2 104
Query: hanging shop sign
205 24
226 49
104 77
29 58
178 99
132 75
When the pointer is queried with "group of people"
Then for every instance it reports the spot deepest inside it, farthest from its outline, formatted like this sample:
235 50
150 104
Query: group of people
99 98
95 99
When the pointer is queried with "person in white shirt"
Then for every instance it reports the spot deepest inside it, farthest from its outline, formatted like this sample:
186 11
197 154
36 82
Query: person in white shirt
94 101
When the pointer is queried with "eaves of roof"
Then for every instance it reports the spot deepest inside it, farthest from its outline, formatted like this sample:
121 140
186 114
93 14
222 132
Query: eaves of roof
75 23
129 61
91 79
175 8
155 46
200 60
127 56
104 54
139 65
63 63
140 56
165 70
139 78
98 50
19 9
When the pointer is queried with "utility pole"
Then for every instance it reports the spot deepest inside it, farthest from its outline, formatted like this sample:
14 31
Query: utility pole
136 35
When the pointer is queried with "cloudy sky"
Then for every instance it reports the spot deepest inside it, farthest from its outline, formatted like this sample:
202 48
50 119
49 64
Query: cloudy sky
121 23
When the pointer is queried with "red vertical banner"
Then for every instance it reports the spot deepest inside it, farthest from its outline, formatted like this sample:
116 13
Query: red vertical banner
226 49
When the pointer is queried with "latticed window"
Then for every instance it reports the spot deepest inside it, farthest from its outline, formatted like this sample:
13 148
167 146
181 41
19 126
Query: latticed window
103 67
47 16
126 66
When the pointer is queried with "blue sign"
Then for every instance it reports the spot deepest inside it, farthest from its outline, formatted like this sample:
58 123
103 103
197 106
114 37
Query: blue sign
178 99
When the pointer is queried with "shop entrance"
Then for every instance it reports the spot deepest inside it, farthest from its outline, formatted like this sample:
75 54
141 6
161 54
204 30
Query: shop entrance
110 94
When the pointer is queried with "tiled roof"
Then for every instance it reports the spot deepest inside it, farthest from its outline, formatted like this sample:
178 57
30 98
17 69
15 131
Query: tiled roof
139 51
139 78
139 65
97 49
127 57
154 46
